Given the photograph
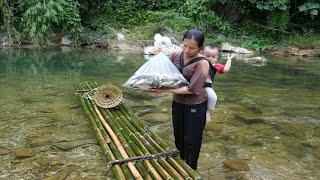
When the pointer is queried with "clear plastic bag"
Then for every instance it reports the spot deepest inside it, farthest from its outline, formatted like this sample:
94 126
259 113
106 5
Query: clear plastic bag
158 72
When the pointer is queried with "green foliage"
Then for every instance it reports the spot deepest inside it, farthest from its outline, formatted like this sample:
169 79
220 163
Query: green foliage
155 22
36 19
258 44
71 20
11 35
307 39
39 19
249 27
122 11
198 10
270 4
162 4
310 8
170 19
278 19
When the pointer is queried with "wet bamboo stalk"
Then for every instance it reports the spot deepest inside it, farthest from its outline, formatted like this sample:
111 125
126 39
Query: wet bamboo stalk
113 136
104 146
112 146
117 121
170 159
150 148
124 141
141 146
137 123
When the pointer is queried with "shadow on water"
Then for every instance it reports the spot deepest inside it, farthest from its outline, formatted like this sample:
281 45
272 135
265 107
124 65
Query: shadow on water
266 122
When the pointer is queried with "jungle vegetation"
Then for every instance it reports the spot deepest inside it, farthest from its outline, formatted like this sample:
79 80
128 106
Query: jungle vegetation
264 21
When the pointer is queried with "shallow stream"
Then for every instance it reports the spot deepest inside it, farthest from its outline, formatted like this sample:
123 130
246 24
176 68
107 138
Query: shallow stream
267 121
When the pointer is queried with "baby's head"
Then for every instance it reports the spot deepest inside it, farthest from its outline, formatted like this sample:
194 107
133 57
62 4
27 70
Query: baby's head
212 53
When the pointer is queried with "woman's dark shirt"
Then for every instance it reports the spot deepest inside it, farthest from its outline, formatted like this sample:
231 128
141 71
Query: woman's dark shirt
196 73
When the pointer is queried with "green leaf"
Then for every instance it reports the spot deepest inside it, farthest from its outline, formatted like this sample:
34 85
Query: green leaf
259 6
302 8
314 12
282 7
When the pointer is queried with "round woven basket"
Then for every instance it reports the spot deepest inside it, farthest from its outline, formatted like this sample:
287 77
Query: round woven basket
107 96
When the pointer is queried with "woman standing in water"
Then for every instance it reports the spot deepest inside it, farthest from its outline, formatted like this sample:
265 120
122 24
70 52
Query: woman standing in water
189 104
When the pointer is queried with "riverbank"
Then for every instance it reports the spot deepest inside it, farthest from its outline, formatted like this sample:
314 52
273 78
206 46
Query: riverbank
134 40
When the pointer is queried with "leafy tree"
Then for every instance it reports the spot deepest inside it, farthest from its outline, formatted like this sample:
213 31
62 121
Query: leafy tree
40 17
70 19
205 18
8 19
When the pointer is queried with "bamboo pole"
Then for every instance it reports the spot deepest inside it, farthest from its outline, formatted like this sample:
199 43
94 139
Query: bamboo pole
137 123
150 148
104 146
112 146
113 136
133 143
170 159
125 141
137 141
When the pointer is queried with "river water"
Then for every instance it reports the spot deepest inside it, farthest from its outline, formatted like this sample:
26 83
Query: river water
267 120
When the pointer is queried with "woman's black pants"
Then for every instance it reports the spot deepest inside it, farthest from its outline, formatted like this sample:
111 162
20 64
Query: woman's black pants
188 125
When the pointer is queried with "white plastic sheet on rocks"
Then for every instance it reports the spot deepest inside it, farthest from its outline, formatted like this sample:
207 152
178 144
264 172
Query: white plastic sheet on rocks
158 72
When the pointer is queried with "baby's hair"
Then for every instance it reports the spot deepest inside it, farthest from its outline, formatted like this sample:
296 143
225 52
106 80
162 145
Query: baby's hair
210 46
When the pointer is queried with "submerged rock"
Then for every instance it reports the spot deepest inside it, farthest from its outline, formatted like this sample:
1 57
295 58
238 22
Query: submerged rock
289 129
120 36
47 110
296 149
66 41
256 143
41 141
4 151
316 152
23 153
236 164
247 120
63 174
256 61
65 146
157 116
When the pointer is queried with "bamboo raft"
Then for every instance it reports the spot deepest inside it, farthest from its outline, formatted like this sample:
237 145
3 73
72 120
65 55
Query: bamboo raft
132 150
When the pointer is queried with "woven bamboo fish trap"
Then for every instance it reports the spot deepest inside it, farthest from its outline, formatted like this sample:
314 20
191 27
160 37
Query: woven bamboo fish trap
105 96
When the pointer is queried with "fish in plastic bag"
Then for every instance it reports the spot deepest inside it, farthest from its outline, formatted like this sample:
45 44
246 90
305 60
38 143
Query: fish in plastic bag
158 72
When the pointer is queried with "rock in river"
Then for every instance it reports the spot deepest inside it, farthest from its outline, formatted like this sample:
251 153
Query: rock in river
23 153
236 164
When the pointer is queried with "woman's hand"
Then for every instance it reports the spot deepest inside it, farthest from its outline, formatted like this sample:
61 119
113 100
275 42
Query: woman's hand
156 50
157 91
181 90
